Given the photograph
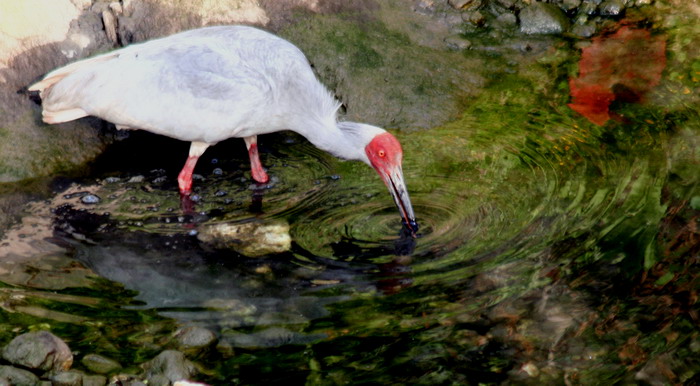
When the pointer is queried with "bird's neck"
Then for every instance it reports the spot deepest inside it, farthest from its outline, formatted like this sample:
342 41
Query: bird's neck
344 140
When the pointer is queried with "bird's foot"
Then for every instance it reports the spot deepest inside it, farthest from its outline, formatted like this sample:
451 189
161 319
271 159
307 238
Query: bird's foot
259 175
186 202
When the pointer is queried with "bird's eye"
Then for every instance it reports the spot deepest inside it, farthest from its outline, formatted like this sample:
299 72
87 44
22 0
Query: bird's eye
381 153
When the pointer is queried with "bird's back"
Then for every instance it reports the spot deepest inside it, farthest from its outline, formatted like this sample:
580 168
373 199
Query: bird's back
201 85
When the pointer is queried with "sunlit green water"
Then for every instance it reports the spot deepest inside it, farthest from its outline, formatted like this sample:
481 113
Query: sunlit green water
550 249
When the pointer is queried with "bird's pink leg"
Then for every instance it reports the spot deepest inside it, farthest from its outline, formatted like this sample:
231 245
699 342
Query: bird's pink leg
256 168
184 179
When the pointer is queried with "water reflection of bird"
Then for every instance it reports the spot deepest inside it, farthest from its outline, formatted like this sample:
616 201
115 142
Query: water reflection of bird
214 83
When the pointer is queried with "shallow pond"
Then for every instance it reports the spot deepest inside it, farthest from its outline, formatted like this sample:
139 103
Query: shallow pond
558 243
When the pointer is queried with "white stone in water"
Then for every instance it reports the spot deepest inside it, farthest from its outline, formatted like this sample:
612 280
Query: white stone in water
252 239
90 199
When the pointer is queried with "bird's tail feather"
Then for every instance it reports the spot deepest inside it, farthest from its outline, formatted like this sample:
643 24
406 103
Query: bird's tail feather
55 76
63 115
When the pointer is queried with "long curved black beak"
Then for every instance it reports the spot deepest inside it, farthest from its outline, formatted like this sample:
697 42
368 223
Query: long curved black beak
397 187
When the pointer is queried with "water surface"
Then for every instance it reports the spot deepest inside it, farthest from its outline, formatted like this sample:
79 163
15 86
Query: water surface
553 246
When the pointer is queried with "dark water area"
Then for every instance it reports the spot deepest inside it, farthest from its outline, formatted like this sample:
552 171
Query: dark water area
559 240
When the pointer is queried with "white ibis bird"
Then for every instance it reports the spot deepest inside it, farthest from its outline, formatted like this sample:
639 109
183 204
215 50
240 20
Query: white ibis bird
214 83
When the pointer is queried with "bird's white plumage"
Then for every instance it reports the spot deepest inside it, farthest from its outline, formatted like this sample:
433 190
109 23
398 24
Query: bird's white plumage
202 85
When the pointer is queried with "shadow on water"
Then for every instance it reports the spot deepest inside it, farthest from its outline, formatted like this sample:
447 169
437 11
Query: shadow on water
552 247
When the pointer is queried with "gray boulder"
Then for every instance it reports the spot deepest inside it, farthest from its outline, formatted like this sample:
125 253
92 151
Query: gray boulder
39 350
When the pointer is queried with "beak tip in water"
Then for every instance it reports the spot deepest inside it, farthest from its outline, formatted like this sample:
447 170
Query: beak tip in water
412 226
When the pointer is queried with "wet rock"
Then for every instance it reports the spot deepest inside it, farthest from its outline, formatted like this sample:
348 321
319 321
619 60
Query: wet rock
584 30
17 377
194 338
570 4
459 4
39 350
589 7
67 378
507 20
99 364
543 18
508 4
474 17
127 380
170 365
457 42
252 239
158 380
94 380
612 7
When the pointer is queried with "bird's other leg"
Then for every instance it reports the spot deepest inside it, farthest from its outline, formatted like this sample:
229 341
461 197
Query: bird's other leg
184 179
256 168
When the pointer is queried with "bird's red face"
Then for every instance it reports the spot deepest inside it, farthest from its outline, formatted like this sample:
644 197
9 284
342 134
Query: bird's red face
385 155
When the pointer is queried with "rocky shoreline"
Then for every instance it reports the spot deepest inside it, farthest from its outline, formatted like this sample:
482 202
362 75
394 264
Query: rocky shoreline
42 358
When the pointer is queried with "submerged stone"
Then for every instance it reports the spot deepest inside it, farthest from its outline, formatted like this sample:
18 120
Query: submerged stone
170 364
67 378
252 239
94 380
99 364
194 338
40 350
18 377
90 199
